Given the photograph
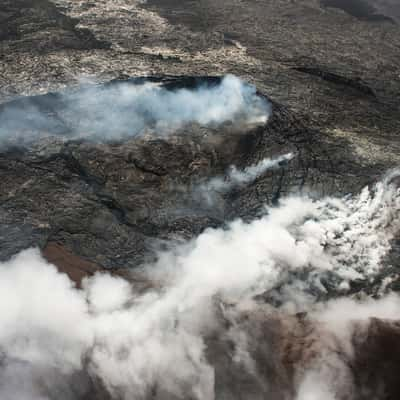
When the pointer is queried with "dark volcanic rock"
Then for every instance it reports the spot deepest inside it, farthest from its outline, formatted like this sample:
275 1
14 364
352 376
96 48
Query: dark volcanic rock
358 8
113 202
376 355
38 23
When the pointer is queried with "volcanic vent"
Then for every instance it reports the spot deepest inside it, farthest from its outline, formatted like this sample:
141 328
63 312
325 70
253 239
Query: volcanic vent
128 108
129 154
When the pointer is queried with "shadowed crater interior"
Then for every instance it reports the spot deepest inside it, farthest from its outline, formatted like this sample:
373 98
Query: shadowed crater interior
357 8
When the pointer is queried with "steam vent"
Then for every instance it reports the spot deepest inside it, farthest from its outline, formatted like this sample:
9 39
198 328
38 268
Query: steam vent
200 200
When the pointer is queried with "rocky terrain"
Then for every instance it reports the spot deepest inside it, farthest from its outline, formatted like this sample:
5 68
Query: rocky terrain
329 71
338 109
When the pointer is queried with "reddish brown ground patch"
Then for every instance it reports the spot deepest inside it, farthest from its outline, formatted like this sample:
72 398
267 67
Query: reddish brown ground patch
77 268
74 266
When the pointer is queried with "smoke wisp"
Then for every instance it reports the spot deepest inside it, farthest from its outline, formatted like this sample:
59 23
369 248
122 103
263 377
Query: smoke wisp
138 344
120 110
237 177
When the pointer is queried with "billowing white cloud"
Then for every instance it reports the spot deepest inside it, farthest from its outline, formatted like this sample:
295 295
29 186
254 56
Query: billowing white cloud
135 342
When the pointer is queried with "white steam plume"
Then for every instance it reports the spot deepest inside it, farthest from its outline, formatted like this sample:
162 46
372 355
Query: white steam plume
138 343
237 177
252 172
121 110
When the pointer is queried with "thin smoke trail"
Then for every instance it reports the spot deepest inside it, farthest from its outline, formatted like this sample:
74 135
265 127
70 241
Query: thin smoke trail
253 172
236 177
